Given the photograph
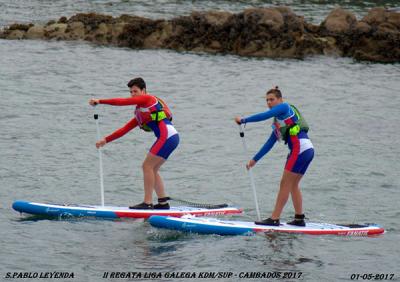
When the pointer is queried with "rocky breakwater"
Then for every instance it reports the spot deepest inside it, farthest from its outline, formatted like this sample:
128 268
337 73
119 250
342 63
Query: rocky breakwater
263 32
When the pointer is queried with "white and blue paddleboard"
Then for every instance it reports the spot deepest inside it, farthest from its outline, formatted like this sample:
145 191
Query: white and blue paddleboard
112 212
228 227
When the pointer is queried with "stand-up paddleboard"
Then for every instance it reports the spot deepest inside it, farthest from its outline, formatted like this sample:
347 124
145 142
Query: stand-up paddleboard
228 227
56 210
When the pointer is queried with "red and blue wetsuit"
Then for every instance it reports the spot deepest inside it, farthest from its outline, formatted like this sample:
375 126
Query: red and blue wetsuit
300 146
167 136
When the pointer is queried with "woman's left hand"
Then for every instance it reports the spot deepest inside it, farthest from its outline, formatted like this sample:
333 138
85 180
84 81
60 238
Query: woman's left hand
250 164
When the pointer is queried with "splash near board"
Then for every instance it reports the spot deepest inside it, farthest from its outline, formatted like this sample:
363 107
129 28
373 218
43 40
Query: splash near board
112 212
228 227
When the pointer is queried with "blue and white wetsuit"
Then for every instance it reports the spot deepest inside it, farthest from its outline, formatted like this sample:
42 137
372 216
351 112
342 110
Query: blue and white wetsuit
300 146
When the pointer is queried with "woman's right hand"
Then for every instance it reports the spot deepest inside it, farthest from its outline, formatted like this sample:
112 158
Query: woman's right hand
93 102
101 143
250 164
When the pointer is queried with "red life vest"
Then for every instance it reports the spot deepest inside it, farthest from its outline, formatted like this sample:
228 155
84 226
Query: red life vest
156 112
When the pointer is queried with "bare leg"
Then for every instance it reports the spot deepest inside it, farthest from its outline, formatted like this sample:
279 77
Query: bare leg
159 185
150 176
289 183
297 200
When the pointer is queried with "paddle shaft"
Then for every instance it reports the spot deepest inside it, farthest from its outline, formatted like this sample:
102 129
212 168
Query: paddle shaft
253 185
96 117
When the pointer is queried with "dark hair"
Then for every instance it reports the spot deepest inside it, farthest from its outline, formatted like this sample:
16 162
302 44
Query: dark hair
275 91
138 82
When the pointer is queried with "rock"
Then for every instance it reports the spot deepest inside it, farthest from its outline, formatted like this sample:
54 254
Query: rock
16 34
375 16
362 28
76 31
292 22
35 32
394 19
387 30
312 28
116 31
63 20
267 17
330 47
217 18
135 32
91 20
100 34
339 21
159 36
22 27
364 56
56 31
379 45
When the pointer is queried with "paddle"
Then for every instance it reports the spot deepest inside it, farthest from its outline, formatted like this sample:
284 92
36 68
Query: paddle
253 186
96 117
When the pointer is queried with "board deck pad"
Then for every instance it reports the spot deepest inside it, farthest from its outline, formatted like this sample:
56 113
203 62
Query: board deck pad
64 210
206 225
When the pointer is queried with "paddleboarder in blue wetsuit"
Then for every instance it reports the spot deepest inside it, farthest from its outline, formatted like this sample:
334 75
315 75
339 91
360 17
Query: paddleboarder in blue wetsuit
290 127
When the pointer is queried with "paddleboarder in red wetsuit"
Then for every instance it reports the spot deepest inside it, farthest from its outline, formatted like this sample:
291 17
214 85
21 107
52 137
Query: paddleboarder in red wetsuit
151 114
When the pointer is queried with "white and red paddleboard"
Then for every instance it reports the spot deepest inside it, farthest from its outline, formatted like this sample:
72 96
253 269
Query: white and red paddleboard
229 227
57 210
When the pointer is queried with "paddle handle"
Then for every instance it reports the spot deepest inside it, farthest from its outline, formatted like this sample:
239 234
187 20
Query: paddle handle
96 117
250 173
